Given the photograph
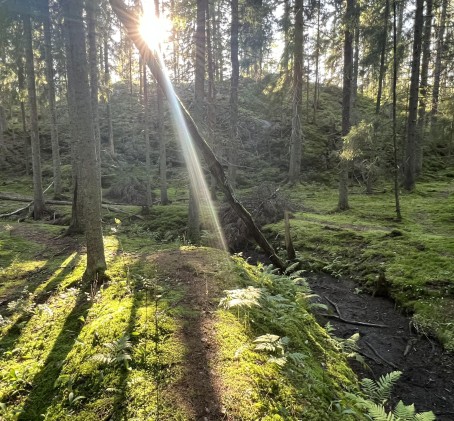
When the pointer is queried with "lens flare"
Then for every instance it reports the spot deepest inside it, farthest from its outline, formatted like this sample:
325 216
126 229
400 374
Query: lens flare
154 30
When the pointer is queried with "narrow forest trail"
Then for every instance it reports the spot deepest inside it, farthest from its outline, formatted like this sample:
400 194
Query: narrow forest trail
428 370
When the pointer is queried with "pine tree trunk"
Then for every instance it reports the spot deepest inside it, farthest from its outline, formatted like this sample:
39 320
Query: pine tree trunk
107 88
384 43
423 86
146 134
317 63
346 101
234 80
394 112
56 164
89 180
92 7
2 138
296 138
410 150
21 86
438 63
38 197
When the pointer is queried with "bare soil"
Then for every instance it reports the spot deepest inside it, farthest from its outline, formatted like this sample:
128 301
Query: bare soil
427 370
200 387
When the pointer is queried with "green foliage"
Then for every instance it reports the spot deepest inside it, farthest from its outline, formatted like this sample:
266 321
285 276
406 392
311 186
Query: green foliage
380 391
117 352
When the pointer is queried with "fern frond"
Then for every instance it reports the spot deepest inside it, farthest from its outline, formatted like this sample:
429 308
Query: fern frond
425 416
385 384
378 412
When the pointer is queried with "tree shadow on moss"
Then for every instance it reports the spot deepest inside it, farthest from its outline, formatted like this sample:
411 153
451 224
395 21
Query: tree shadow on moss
42 392
8 341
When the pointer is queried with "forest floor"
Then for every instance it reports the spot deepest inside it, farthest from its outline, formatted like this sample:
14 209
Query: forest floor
427 369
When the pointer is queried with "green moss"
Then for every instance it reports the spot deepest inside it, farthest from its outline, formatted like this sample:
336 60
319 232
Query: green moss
415 256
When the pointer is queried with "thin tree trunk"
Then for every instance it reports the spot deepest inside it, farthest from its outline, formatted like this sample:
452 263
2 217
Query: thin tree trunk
296 138
21 85
384 43
317 63
108 87
346 102
131 22
38 197
92 7
423 86
234 81
354 117
146 134
410 150
89 180
286 29
394 92
438 63
56 164
2 138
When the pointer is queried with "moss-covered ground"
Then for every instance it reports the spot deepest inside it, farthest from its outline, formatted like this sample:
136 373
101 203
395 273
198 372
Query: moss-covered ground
411 260
139 346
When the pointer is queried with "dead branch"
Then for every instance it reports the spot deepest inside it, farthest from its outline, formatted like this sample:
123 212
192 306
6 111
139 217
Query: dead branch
380 356
352 322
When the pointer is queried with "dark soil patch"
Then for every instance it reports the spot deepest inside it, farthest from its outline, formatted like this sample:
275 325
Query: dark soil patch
428 370
200 388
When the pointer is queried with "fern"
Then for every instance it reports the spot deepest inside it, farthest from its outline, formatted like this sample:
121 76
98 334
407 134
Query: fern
380 391
245 297
118 352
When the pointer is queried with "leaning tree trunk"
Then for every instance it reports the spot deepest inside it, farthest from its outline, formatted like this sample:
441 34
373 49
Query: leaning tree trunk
38 196
296 138
56 164
346 101
410 150
89 181
131 22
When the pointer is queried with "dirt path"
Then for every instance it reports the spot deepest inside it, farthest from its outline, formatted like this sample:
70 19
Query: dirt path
428 371
200 386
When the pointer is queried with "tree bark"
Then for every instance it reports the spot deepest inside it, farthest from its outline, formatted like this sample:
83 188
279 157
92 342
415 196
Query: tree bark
108 87
92 8
410 150
56 164
317 64
296 138
21 86
382 71
146 135
346 101
234 81
89 180
38 197
438 63
131 22
423 86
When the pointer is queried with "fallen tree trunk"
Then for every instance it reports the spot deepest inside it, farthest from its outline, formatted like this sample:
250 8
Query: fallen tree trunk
107 206
130 20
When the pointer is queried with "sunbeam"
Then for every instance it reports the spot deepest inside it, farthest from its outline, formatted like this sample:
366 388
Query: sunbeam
209 217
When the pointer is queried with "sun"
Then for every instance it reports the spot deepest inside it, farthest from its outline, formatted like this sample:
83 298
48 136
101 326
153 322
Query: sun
153 30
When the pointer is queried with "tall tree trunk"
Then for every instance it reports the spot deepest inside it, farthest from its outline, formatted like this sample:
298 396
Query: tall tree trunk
286 28
211 114
199 94
108 87
382 71
410 150
354 117
317 64
92 7
38 197
296 138
146 134
346 101
89 180
423 86
234 80
438 63
2 138
215 167
21 86
51 96
394 96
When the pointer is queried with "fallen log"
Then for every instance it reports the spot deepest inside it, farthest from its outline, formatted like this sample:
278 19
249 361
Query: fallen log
129 18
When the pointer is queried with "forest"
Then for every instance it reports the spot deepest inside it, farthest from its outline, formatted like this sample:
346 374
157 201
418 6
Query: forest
226 210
